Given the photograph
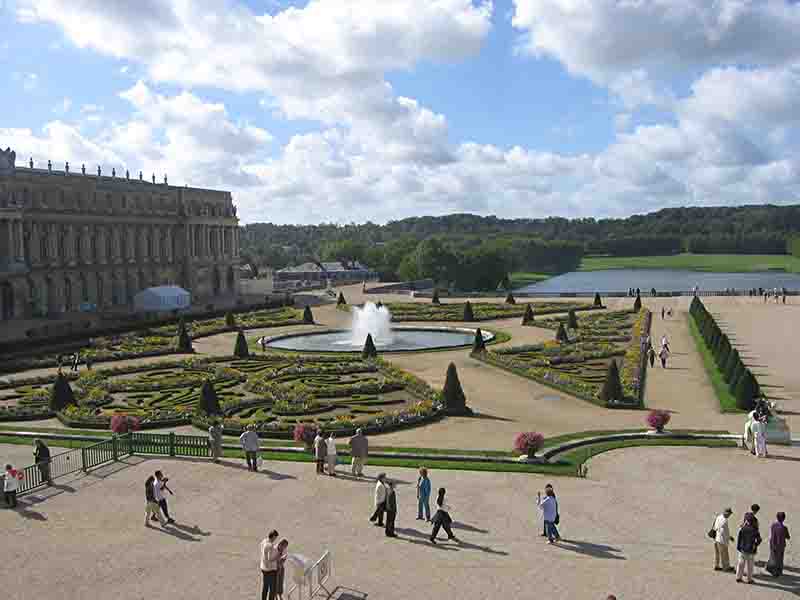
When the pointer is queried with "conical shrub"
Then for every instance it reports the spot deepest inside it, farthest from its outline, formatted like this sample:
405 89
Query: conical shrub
230 319
561 334
510 299
597 300
572 320
240 349
478 345
637 304
746 391
209 402
738 373
612 386
435 297
730 364
61 394
308 316
527 318
184 342
455 402
369 350
468 314
340 300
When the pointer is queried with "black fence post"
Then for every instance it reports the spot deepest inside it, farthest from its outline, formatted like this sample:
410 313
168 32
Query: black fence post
114 451
84 461
172 443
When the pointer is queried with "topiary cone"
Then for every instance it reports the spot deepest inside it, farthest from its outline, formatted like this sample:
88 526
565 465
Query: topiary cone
527 318
746 391
61 394
455 402
340 300
230 320
561 334
369 351
468 315
597 300
572 320
637 304
435 297
184 342
510 299
612 386
308 316
209 403
478 345
240 350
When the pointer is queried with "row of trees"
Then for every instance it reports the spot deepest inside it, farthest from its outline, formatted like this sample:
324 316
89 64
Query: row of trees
741 381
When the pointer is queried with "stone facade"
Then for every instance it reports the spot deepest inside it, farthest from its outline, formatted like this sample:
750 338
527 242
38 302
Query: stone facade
71 240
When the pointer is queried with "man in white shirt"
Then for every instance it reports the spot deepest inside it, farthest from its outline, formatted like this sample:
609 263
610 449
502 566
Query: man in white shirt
269 565
380 500
722 561
249 442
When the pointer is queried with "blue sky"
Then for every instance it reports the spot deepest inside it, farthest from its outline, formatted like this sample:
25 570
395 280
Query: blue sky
350 110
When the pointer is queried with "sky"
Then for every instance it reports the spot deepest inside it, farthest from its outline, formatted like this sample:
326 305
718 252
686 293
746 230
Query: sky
344 111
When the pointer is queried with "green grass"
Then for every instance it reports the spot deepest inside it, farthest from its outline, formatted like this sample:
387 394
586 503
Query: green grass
522 278
727 402
721 263
579 456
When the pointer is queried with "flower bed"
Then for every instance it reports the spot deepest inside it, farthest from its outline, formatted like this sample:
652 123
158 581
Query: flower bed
482 311
579 367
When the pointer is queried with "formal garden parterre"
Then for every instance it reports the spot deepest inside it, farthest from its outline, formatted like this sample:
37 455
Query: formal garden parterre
479 311
580 362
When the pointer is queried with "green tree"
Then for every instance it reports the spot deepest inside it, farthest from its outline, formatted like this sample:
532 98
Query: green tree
408 269
435 260
455 402
561 334
184 342
527 318
597 300
746 391
435 297
730 365
209 403
738 373
468 314
61 395
369 351
612 386
478 345
240 349
230 320
637 304
308 316
572 320
510 299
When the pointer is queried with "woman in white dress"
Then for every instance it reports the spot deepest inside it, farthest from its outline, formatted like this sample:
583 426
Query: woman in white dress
331 456
759 428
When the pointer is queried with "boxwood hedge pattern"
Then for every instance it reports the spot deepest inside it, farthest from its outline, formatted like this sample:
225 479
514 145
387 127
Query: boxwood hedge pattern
272 392
155 341
482 311
579 366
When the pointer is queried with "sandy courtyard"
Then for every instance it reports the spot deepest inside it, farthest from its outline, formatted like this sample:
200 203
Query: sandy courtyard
636 528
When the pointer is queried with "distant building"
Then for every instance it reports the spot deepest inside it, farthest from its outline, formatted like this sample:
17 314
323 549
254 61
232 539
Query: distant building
72 242
312 274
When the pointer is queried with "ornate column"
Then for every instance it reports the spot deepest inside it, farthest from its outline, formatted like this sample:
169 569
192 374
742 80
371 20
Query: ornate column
131 245
69 245
156 244
100 244
53 240
86 245
168 244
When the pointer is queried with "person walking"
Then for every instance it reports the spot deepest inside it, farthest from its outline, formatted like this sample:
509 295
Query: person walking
423 495
268 552
747 544
722 561
665 342
41 456
159 486
547 490
215 440
76 361
778 535
283 546
759 428
11 481
549 509
663 355
331 451
442 518
320 452
152 510
651 355
663 310
391 509
249 442
359 449
380 500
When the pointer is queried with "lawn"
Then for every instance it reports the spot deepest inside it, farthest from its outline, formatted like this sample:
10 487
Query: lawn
719 263
482 311
522 278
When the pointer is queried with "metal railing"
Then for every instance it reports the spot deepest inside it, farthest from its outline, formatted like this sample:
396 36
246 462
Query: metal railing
314 579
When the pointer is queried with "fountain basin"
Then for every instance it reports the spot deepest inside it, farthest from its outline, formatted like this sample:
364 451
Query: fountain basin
403 339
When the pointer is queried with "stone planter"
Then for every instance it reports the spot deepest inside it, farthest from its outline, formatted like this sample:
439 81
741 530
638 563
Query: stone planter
530 459
660 431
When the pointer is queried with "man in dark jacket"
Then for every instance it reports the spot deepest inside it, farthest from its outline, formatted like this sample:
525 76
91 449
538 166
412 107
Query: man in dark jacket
41 456
747 544
391 509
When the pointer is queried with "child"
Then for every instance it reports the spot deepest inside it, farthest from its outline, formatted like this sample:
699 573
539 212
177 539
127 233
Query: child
11 485
424 495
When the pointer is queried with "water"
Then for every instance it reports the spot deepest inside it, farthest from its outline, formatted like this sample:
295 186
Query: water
664 280
401 339
374 320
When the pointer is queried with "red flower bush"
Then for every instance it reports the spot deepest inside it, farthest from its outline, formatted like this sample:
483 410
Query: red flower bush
124 424
658 419
528 442
303 432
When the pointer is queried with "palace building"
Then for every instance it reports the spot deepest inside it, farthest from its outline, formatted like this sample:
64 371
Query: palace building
76 243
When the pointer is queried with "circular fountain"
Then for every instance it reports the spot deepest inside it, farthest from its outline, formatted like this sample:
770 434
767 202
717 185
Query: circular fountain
371 319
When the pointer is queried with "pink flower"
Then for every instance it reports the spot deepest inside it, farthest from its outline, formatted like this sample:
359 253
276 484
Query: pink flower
657 419
528 442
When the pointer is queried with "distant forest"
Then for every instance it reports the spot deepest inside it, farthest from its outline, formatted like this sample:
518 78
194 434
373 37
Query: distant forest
473 252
